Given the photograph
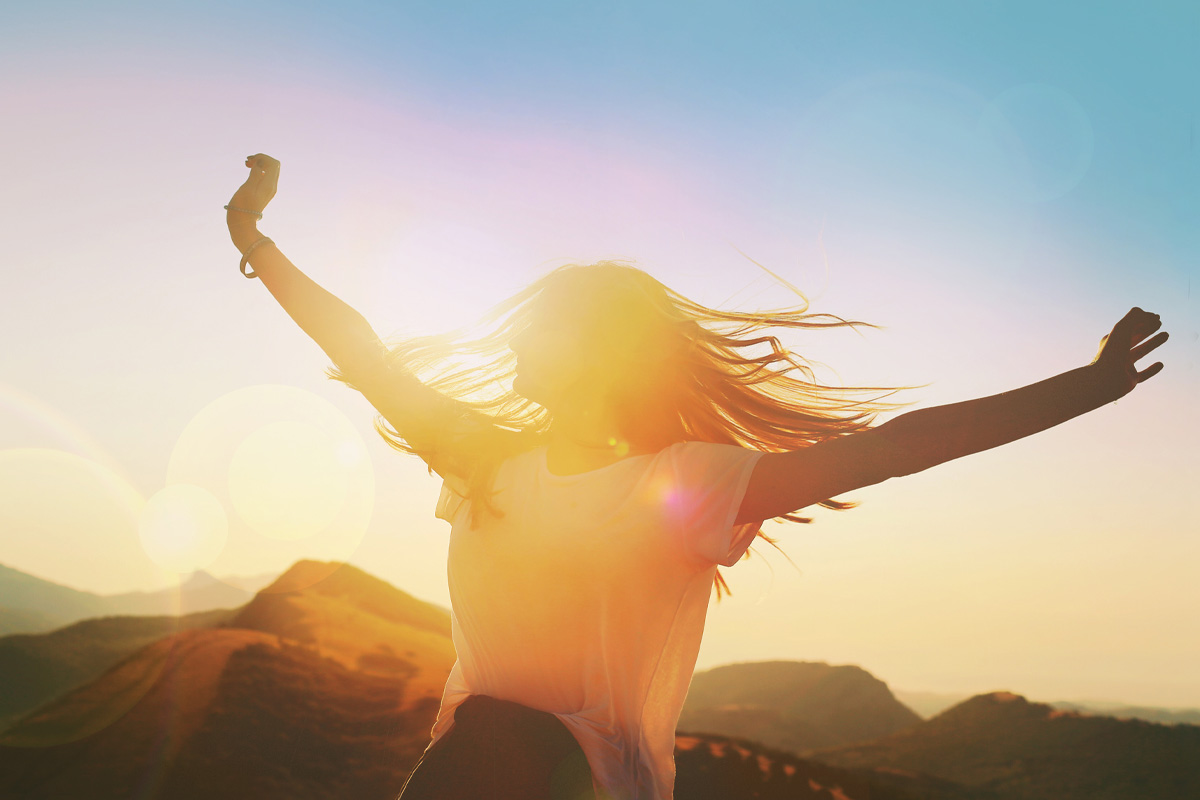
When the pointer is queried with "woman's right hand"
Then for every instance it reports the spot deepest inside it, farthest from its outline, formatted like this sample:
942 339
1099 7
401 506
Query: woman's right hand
259 188
1120 349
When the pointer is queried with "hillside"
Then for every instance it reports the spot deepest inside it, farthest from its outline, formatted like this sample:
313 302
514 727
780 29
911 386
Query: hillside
27 620
219 713
794 705
1167 716
356 619
35 668
330 692
327 683
1001 741
32 601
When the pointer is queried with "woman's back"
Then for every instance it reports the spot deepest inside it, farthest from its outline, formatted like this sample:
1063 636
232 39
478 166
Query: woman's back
587 599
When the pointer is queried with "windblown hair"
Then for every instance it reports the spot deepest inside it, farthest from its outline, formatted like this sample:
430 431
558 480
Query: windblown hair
685 373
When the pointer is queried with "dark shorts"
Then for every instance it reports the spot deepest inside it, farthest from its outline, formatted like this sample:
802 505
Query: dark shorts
500 750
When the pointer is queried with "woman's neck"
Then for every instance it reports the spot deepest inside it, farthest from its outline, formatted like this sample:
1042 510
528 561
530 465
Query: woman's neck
583 439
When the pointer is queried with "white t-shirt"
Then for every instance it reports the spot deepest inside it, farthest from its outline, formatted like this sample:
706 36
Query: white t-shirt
588 599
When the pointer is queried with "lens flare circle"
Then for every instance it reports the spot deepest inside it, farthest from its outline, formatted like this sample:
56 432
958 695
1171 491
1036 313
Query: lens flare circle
1045 137
183 528
290 470
288 480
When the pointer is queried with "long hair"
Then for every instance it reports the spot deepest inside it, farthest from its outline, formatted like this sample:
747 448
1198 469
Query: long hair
685 373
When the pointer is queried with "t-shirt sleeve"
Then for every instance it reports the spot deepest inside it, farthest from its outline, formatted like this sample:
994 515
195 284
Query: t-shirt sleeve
707 483
451 499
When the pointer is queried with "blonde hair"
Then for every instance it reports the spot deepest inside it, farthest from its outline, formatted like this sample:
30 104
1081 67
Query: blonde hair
682 378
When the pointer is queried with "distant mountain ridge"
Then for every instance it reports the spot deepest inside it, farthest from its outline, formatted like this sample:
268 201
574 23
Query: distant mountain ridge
26 599
998 742
1166 716
1032 751
930 704
29 604
327 683
27 620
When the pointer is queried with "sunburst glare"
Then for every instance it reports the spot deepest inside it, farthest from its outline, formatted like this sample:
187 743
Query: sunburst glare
288 480
183 528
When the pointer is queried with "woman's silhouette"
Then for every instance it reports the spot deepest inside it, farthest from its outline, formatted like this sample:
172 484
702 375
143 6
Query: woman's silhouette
590 505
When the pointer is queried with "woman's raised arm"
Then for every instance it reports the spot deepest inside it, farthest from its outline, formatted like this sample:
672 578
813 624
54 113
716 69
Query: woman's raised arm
428 420
343 333
926 437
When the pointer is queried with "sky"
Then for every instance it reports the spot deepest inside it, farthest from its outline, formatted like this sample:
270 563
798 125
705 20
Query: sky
994 184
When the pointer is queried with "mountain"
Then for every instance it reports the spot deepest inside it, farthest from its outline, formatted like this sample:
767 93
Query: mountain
35 668
27 620
355 619
35 605
200 592
1033 751
1167 716
30 600
325 685
251 583
794 705
929 704
220 713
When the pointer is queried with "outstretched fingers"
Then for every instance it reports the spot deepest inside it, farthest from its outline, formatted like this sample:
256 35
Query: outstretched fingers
1150 371
1143 324
1131 339
1145 347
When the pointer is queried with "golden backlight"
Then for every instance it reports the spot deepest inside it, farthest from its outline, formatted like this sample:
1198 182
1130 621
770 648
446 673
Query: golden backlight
62 508
183 528
288 480
290 471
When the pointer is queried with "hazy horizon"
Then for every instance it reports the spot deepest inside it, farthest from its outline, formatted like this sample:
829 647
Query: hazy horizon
995 186
949 697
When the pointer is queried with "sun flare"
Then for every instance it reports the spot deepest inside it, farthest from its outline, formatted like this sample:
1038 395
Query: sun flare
288 480
183 528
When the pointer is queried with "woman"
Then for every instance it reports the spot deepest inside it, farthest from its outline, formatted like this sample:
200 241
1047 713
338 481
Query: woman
590 505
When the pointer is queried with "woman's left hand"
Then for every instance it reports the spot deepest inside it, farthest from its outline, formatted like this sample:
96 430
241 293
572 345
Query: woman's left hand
1120 349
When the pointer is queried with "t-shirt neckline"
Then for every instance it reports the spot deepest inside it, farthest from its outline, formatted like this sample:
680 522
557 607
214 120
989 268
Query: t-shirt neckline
544 458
